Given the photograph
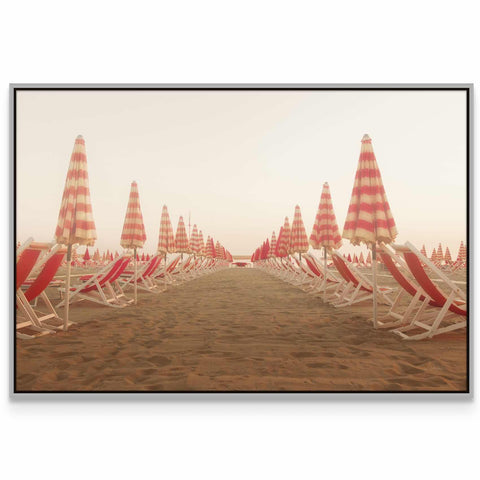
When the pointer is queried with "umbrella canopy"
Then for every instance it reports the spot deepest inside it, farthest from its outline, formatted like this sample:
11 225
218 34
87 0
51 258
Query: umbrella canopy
298 235
75 219
209 248
194 243
266 249
439 253
423 250
166 241
369 218
133 233
218 250
447 257
201 243
273 245
325 231
284 242
181 239
86 255
462 253
279 242
433 258
361 259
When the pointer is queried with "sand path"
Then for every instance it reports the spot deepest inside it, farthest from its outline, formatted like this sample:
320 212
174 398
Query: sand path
235 330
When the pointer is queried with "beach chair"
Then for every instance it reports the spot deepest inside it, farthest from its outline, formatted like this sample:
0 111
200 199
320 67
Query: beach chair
165 275
103 287
449 306
357 287
320 277
145 276
27 257
34 318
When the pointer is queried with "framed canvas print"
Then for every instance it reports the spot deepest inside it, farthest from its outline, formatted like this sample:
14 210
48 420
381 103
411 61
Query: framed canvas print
240 238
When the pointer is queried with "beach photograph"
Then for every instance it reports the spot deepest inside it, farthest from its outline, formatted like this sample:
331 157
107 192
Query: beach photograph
241 239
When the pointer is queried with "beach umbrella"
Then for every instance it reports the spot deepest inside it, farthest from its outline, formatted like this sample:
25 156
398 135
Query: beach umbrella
369 219
133 232
143 257
194 243
209 248
355 259
298 235
273 245
116 254
325 231
147 258
166 240
423 251
266 249
279 242
218 250
201 244
75 220
181 239
448 257
433 257
86 256
284 243
439 253
462 253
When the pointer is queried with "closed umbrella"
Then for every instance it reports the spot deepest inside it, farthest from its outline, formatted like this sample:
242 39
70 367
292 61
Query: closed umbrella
133 233
201 244
86 256
75 219
284 242
325 231
439 253
181 239
194 243
298 235
273 245
166 240
369 219
448 257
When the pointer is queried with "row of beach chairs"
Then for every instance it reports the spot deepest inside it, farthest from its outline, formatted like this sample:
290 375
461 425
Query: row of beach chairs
37 266
425 302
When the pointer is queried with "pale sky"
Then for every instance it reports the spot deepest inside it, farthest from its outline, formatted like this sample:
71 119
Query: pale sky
239 161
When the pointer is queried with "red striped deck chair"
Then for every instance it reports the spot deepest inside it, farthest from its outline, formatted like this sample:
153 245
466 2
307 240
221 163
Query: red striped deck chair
27 256
145 276
358 288
451 306
103 287
35 289
165 275
321 276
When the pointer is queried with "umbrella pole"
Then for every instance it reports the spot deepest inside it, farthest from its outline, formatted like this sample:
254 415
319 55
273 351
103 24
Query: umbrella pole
135 268
324 274
67 288
374 268
165 272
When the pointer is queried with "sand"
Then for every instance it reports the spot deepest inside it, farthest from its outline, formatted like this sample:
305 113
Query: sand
235 330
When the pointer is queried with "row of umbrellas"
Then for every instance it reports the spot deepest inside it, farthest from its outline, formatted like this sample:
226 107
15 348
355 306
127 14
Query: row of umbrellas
76 225
369 218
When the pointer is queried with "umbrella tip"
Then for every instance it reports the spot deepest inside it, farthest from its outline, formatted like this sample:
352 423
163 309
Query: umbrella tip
366 138
79 137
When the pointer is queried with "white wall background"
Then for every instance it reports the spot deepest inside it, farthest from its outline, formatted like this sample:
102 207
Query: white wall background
248 437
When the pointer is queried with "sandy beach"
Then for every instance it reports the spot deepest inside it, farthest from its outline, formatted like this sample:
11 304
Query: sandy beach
235 330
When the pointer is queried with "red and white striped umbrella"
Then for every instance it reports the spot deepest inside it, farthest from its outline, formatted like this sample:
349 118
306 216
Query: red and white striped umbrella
361 259
273 245
218 250
86 255
423 251
369 218
194 243
75 219
201 243
209 248
279 242
181 238
368 261
166 241
433 258
448 256
325 231
284 242
439 253
462 253
298 235
133 233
